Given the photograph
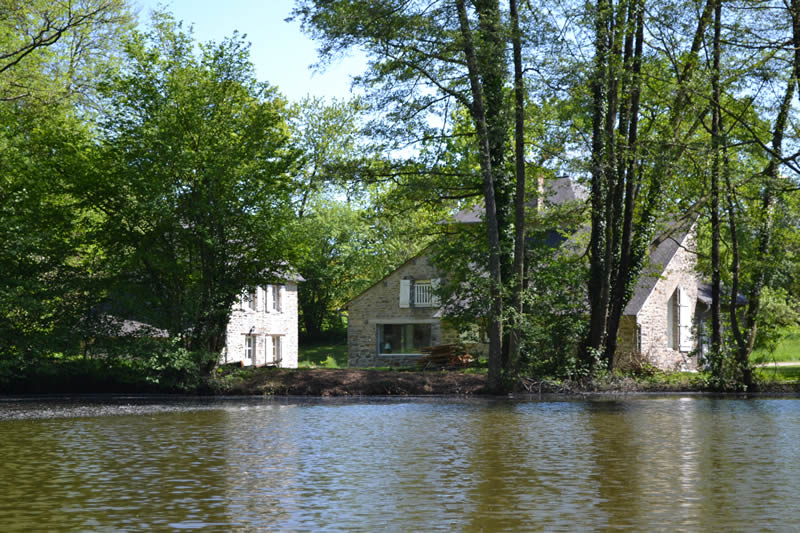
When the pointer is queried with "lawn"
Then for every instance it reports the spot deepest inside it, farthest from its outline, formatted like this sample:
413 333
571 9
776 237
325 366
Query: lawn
787 350
324 355
779 373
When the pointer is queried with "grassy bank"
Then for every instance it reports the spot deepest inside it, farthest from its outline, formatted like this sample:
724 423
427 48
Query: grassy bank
410 381
788 349
322 355
324 372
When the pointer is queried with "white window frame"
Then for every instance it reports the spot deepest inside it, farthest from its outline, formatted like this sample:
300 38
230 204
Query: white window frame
679 321
277 349
275 298
250 344
684 321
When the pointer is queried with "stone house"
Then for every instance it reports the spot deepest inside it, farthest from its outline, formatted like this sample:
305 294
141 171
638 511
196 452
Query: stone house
263 327
663 322
390 323
393 320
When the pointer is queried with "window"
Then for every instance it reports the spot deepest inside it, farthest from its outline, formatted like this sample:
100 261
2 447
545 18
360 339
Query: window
276 349
679 333
249 347
419 293
250 299
275 293
403 338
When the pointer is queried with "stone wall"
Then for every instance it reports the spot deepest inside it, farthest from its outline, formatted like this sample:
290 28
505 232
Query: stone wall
380 304
652 320
264 323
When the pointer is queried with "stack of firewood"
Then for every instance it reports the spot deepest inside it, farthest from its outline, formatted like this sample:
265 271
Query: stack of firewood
445 356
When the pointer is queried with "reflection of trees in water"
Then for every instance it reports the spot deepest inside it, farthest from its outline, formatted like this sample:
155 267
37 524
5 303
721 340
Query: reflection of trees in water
141 472
474 465
263 473
616 455
529 468
749 462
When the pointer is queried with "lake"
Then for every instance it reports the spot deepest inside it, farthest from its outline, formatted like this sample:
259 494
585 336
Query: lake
630 463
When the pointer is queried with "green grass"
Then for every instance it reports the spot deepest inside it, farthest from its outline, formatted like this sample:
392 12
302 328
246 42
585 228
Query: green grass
781 373
787 350
322 355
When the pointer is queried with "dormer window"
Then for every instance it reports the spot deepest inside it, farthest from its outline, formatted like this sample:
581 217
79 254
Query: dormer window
419 293
250 299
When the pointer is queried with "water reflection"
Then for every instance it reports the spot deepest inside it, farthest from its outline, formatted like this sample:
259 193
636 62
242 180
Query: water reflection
381 465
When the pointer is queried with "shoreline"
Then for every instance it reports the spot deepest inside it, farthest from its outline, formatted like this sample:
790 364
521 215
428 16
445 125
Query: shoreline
346 382
383 383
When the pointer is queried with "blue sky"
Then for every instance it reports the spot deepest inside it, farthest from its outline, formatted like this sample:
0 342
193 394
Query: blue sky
282 54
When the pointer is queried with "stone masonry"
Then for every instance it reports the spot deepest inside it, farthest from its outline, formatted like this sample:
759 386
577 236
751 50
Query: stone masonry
380 304
264 324
647 325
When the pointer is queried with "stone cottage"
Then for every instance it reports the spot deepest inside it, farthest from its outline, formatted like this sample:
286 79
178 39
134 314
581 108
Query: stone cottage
393 320
663 322
263 327
390 323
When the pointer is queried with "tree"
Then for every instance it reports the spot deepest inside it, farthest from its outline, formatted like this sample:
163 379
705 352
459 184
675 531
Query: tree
54 49
332 144
426 56
49 52
194 186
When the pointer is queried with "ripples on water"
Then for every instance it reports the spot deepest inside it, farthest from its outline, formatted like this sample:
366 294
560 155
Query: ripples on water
401 465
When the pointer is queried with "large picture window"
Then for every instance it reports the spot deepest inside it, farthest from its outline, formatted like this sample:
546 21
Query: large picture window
403 338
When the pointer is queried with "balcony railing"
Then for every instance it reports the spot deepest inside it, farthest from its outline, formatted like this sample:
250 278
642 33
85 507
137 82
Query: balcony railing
423 295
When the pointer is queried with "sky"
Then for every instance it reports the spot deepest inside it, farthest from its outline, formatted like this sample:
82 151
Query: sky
281 53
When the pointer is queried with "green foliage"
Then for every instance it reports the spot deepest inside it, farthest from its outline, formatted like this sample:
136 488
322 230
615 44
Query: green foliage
51 51
778 374
47 260
343 240
554 322
786 349
333 146
335 259
193 181
725 372
175 368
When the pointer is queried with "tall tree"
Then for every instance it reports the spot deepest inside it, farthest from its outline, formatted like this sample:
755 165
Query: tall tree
425 58
518 279
616 89
716 169
49 52
629 175
195 188
54 49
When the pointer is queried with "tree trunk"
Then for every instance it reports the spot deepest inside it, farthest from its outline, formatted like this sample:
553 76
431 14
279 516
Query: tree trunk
627 178
598 296
519 198
716 144
478 111
745 343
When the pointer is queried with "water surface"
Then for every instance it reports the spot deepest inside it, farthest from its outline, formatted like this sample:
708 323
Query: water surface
655 464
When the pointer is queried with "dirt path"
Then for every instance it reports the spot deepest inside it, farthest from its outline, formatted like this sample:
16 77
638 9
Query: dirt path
352 382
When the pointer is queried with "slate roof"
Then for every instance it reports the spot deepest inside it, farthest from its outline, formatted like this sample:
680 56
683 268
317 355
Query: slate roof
704 295
558 191
663 248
